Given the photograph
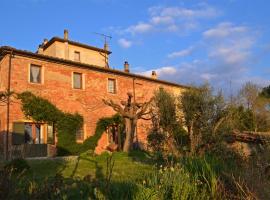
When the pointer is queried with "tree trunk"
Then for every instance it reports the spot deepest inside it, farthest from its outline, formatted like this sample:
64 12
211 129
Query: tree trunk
130 129
119 141
192 139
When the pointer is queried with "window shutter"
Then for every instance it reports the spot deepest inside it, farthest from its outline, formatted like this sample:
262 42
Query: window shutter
18 133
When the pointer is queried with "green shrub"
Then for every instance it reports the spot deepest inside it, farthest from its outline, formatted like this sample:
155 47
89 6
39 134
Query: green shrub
42 110
67 126
155 141
17 166
179 182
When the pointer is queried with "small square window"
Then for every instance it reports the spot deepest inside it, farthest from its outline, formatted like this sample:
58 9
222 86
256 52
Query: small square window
80 134
77 56
111 86
35 74
77 80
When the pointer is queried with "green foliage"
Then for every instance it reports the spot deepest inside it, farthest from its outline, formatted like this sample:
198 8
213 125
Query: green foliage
102 125
17 166
204 177
166 123
42 110
156 141
265 92
203 113
104 122
242 119
38 108
56 187
182 181
165 102
202 110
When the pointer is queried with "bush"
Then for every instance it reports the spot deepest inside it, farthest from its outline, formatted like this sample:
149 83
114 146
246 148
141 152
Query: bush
42 110
155 141
177 182
17 166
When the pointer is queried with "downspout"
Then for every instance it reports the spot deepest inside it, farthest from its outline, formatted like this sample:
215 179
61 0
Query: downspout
134 99
8 102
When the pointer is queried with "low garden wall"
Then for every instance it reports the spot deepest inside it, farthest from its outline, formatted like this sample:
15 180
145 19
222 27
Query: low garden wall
32 150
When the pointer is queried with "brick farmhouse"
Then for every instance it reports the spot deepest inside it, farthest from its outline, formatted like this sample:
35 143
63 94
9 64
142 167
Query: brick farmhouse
75 77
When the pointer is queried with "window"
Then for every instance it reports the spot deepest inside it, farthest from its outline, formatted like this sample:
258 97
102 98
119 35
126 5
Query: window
111 86
50 134
29 133
79 134
77 80
35 74
77 56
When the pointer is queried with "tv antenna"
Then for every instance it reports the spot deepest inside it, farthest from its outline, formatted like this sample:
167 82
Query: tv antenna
106 47
105 37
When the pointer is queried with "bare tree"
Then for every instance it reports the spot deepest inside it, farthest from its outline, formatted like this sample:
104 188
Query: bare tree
131 112
249 93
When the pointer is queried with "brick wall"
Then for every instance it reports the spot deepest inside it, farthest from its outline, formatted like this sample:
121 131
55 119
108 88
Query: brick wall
57 87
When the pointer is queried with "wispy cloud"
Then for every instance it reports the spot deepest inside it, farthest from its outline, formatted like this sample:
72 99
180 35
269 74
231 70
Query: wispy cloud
228 50
224 29
171 19
202 11
124 43
184 52
141 27
230 44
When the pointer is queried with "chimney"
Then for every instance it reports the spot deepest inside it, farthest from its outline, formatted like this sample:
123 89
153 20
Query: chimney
65 34
45 41
154 75
126 67
106 46
40 49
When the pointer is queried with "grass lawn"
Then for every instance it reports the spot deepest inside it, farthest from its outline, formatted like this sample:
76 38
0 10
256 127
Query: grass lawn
127 167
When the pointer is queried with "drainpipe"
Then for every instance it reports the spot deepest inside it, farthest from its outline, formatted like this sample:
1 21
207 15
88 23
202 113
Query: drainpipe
8 103
134 99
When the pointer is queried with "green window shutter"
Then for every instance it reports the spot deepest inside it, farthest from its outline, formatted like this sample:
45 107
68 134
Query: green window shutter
18 133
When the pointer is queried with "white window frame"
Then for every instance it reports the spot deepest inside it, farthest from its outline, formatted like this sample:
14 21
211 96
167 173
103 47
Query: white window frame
83 80
41 75
115 86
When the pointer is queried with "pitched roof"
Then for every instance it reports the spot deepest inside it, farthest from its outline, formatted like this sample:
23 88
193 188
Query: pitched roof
54 39
6 50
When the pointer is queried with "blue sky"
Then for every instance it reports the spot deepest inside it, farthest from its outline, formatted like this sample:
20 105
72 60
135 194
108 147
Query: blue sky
219 41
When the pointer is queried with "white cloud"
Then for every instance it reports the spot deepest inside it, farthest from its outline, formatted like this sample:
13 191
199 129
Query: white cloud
230 44
162 71
203 11
229 57
139 28
171 19
181 53
124 43
224 29
161 20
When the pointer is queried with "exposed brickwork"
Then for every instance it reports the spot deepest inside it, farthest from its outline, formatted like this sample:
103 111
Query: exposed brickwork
57 87
102 144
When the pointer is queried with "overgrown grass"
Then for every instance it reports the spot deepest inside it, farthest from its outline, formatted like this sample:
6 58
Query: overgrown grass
134 176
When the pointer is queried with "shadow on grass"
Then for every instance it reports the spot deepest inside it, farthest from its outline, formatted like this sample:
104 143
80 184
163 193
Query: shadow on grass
141 156
116 190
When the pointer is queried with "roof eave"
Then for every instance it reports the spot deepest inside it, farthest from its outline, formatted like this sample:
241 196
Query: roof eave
54 39
87 66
